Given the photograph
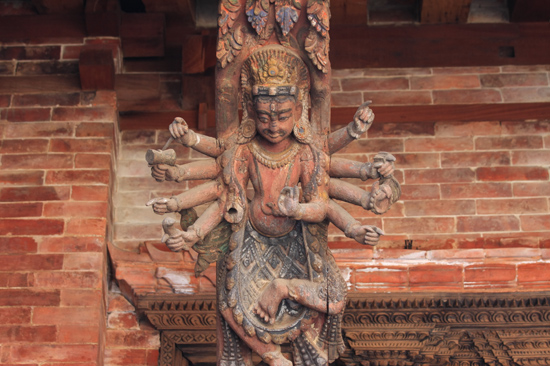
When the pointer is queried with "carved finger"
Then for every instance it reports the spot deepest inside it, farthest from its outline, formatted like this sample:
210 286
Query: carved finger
156 200
379 231
159 209
371 242
390 157
288 191
386 169
386 190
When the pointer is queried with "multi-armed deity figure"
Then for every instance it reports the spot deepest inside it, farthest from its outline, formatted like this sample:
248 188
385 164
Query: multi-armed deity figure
277 281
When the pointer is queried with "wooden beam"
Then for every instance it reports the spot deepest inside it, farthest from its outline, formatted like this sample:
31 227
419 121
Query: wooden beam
142 35
529 10
392 114
440 45
449 113
445 11
193 54
97 68
42 28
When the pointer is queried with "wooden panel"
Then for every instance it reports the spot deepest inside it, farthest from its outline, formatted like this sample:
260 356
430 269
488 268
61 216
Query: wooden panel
439 45
142 35
529 10
97 69
394 114
449 113
193 54
445 11
42 28
348 11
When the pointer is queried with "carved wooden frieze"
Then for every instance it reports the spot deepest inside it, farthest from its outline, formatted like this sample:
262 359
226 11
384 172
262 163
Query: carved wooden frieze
389 329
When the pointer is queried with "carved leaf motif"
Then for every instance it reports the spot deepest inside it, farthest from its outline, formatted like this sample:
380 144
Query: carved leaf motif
317 49
287 16
318 14
228 13
229 46
257 12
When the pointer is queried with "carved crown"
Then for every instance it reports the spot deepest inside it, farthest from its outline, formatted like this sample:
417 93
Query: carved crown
274 71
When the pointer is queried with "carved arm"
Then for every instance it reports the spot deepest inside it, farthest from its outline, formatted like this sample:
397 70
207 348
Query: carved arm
361 123
201 143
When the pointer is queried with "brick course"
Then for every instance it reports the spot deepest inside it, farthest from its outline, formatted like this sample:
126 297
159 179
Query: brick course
54 204
474 215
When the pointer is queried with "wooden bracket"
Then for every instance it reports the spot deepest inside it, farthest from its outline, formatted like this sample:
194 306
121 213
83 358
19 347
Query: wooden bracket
97 68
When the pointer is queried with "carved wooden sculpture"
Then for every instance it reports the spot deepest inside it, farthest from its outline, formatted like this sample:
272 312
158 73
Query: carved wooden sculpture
277 281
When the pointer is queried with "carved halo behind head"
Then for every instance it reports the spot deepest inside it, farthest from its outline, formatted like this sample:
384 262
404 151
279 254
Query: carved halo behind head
274 71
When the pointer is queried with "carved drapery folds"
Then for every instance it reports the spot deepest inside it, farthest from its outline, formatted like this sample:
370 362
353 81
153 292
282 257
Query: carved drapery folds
381 329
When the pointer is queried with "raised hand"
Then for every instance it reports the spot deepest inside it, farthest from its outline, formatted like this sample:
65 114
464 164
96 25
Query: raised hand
176 239
383 163
289 202
179 130
361 121
367 235
163 205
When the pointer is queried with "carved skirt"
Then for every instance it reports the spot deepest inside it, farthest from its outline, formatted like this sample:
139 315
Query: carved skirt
255 260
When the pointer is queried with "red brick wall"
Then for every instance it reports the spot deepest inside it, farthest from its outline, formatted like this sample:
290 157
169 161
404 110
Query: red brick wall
474 215
56 174
475 203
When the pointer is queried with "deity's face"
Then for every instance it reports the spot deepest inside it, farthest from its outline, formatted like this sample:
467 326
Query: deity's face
276 116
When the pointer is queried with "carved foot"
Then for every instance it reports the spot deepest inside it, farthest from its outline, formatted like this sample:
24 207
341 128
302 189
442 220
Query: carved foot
269 300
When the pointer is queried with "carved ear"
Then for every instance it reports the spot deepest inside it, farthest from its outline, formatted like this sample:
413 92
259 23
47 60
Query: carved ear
298 109
250 108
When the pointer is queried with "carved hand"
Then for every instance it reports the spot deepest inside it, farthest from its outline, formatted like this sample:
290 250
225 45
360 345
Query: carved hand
176 239
367 234
383 162
163 205
162 172
289 202
380 198
363 119
180 132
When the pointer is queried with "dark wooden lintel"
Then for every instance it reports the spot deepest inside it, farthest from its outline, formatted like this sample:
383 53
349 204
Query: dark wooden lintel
384 114
439 45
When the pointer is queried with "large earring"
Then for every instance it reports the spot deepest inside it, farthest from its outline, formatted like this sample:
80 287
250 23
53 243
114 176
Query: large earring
247 129
302 128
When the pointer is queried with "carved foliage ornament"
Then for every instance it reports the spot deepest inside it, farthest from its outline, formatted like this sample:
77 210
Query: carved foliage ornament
286 15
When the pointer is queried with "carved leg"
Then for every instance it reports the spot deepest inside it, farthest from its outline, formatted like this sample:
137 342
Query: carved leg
306 352
270 352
